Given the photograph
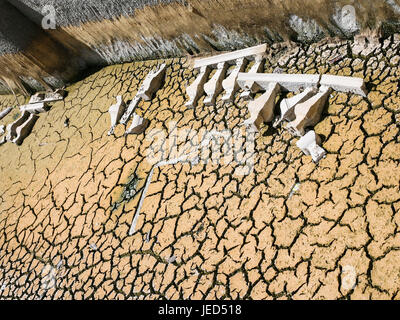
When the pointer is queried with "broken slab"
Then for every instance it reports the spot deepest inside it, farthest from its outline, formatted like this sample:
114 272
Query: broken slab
288 82
11 128
310 145
262 109
138 126
35 108
152 83
287 105
25 129
116 111
250 87
344 84
230 56
308 113
196 89
5 112
131 108
214 86
230 84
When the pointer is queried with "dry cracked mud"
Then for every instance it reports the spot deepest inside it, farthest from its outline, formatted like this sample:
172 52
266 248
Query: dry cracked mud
290 229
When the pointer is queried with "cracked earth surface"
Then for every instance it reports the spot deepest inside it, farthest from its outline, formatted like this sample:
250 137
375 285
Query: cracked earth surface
289 229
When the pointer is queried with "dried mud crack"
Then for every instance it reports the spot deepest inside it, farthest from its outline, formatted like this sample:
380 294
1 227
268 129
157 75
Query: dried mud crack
288 230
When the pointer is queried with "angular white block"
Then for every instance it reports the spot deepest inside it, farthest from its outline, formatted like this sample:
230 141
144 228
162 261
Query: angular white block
130 110
288 82
214 86
344 84
11 128
308 113
5 112
309 144
229 84
152 83
287 105
251 87
25 129
225 57
57 95
138 126
196 89
116 111
37 97
35 108
262 109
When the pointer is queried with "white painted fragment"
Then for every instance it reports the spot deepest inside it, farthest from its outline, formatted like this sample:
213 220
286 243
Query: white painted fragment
132 106
12 127
309 144
262 109
308 113
37 97
35 108
214 86
5 112
288 82
287 105
344 84
25 129
138 126
230 56
196 89
152 83
116 111
250 87
2 130
230 84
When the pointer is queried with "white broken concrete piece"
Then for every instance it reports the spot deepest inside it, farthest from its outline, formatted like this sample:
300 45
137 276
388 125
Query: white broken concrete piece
344 84
230 84
196 89
131 108
262 109
12 127
35 108
37 97
230 56
138 126
308 113
288 82
214 86
5 112
152 83
2 130
57 95
116 111
309 144
25 129
287 105
250 87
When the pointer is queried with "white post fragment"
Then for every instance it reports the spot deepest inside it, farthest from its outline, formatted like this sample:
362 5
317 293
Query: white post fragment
138 126
310 145
196 89
344 84
152 83
250 87
25 129
116 111
262 109
287 105
35 108
308 113
230 84
214 86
